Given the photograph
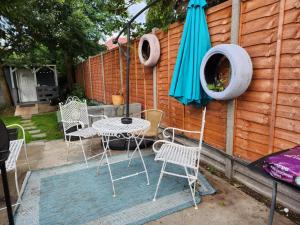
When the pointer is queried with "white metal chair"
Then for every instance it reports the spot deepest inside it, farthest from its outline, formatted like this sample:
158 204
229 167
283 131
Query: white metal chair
74 113
15 147
180 155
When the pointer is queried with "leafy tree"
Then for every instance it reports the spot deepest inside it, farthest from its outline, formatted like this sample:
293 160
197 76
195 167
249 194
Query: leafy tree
166 12
40 31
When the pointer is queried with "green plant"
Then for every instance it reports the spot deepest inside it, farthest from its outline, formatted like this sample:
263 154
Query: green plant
218 86
91 102
78 91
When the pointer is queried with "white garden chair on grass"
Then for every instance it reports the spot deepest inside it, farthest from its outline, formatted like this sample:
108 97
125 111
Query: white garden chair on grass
180 155
74 114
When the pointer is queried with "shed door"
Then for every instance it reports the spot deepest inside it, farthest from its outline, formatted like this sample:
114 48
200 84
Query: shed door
27 89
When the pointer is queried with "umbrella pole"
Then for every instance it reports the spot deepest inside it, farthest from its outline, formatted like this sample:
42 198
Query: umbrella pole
127 71
127 119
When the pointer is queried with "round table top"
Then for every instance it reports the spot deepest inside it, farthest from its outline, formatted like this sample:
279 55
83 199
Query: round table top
114 126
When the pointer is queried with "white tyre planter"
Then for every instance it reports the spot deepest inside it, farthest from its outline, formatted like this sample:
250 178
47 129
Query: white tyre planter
149 50
240 70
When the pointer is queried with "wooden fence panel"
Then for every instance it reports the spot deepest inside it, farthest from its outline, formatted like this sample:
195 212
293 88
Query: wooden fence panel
163 77
258 35
267 116
96 77
87 79
287 132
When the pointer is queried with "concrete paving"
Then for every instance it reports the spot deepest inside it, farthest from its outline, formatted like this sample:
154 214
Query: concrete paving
24 122
40 135
28 124
229 206
30 128
34 131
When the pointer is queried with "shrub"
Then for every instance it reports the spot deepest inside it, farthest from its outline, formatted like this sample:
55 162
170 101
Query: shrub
78 91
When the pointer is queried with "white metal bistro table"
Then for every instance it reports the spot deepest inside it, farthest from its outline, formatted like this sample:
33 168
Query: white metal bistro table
112 127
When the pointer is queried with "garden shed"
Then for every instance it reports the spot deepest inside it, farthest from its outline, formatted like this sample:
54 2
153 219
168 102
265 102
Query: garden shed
32 84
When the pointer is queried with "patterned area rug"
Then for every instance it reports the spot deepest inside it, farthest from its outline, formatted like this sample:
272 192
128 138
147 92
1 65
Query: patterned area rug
74 194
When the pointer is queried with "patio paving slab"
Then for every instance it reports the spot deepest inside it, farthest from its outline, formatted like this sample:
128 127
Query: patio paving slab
40 135
25 121
29 124
30 128
34 131
229 206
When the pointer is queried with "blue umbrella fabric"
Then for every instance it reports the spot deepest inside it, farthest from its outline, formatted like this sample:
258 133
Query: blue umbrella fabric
195 42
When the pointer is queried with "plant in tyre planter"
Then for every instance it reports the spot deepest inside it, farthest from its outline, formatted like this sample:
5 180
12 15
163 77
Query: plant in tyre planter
117 98
221 76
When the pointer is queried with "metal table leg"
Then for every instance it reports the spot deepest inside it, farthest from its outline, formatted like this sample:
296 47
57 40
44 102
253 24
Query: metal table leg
6 194
105 143
273 204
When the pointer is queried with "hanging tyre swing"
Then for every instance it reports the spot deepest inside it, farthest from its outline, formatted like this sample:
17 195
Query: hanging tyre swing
226 71
149 50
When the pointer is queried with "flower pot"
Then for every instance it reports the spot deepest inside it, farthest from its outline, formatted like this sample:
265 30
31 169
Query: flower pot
117 99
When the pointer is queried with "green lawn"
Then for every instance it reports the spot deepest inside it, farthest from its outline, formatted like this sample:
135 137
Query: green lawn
46 122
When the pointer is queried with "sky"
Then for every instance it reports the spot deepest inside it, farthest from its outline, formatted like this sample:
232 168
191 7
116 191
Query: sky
134 9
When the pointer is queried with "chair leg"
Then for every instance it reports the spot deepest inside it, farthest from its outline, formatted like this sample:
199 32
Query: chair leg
26 155
128 147
99 165
68 146
105 144
159 180
191 181
17 186
81 143
103 140
92 142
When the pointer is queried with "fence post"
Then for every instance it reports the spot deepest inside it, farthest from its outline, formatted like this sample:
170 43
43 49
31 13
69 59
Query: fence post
83 74
276 75
103 79
90 74
154 74
234 37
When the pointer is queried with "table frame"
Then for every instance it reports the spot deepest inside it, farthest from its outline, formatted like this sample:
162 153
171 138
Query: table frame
128 136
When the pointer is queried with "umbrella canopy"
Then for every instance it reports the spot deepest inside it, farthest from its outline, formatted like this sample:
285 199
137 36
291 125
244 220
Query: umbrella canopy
195 42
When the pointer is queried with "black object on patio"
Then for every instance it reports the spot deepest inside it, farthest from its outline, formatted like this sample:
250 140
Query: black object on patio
122 144
4 153
12 133
257 166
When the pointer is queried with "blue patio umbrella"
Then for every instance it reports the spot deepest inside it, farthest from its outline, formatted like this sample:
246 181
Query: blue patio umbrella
195 42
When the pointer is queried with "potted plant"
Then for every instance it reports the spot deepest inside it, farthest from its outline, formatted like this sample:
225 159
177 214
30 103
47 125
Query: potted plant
117 98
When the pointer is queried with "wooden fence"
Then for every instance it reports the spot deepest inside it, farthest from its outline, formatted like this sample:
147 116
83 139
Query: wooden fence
267 116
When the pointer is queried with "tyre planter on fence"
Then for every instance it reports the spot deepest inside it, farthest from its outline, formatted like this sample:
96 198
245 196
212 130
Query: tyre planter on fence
226 71
149 50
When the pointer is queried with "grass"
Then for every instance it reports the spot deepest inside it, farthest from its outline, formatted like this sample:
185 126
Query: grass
46 122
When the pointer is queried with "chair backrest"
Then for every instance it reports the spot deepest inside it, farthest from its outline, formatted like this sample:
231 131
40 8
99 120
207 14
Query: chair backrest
202 127
154 116
72 111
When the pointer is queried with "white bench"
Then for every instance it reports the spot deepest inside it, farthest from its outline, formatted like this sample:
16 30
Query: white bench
15 147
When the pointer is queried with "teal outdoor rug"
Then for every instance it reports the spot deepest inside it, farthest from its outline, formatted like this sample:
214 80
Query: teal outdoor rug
74 194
